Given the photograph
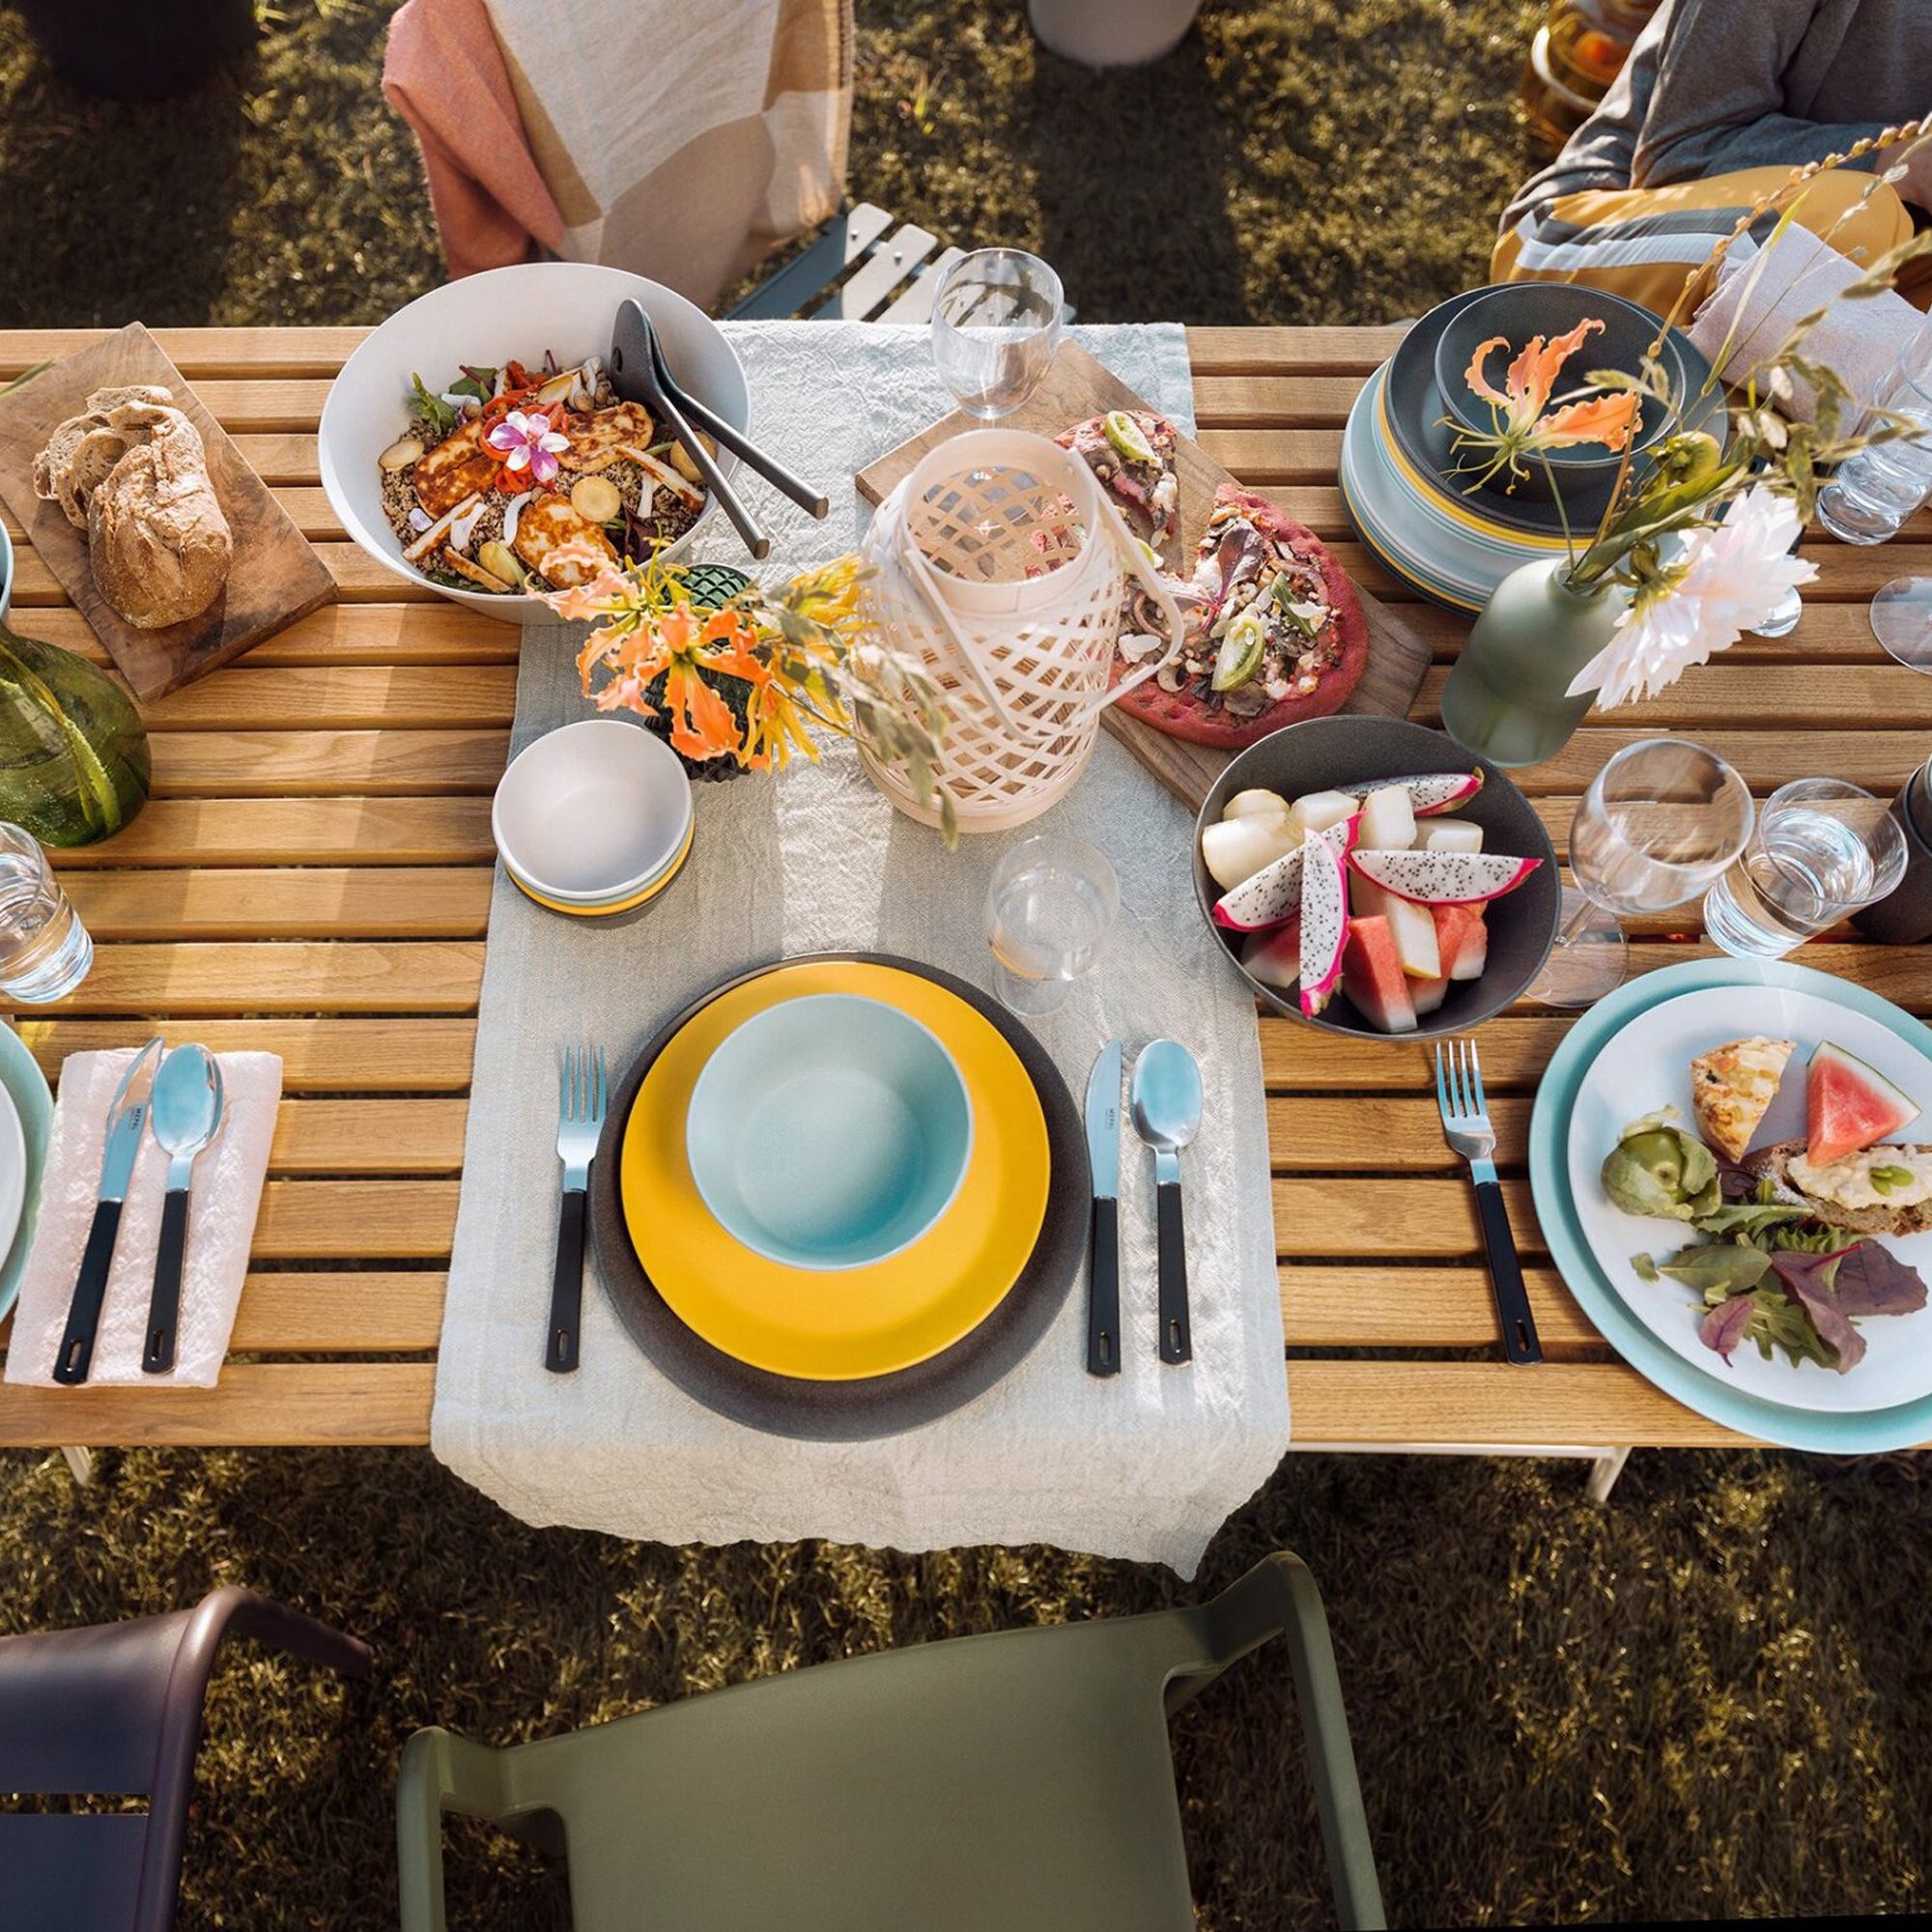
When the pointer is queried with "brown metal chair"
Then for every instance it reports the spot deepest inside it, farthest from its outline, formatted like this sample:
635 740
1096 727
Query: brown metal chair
116 1708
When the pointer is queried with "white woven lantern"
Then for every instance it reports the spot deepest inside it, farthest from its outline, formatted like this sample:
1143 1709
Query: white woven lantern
1000 565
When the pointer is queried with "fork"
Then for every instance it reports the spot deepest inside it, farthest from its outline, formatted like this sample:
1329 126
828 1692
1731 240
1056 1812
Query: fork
1465 1125
579 1121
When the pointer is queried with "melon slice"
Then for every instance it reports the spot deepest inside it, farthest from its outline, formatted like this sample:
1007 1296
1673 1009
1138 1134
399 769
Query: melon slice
1429 994
1274 959
1441 878
1388 820
1235 849
1373 977
1256 804
1318 810
1453 835
1410 926
1461 940
1848 1105
1324 924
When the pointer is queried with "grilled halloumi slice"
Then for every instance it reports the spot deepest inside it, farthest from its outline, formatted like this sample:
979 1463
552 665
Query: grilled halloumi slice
462 465
597 440
548 521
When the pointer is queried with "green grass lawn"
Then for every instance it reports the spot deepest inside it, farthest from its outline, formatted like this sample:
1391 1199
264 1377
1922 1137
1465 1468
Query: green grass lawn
1705 1700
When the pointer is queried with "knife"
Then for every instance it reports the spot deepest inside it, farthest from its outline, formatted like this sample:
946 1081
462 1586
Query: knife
127 1121
1103 1159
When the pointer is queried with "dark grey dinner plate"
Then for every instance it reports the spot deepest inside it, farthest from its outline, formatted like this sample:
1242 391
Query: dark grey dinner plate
847 1411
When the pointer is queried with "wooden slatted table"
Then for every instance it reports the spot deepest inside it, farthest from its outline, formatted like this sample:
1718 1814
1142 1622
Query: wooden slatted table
313 877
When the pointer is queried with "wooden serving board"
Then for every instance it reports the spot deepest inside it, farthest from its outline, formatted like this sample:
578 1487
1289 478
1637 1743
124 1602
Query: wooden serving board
275 577
1078 386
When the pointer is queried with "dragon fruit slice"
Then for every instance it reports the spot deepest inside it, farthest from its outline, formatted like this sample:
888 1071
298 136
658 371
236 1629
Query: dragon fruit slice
1324 924
1429 794
1443 878
1274 895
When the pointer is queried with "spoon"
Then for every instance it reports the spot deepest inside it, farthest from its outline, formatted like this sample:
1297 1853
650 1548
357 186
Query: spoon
1165 1100
187 1118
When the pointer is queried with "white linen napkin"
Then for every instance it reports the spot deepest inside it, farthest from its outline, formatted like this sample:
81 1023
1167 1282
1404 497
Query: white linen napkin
1776 288
220 1227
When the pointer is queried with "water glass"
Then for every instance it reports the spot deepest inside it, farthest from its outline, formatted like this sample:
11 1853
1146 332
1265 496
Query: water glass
1659 822
1049 908
1868 500
1823 850
44 951
995 328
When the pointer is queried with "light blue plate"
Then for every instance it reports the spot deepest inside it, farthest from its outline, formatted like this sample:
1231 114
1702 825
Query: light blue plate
1834 1433
27 1088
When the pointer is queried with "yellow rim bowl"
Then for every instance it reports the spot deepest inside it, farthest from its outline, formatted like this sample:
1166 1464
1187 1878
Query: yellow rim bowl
594 814
849 1324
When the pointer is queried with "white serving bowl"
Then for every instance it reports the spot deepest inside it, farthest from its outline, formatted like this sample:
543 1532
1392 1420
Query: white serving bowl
593 817
566 307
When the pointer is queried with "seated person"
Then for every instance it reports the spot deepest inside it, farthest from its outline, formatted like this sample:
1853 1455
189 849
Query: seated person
1720 100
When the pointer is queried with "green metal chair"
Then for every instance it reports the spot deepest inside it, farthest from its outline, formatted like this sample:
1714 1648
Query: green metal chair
1020 1780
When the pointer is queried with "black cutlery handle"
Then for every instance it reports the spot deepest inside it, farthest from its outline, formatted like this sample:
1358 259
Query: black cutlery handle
566 1295
1519 1343
89 1290
1177 1343
164 1306
1103 1293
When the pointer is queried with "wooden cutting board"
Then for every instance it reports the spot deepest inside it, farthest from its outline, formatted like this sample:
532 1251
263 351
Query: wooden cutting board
1078 386
276 576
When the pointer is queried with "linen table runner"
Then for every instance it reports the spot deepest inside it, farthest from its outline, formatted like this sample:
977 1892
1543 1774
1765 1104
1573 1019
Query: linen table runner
1146 1464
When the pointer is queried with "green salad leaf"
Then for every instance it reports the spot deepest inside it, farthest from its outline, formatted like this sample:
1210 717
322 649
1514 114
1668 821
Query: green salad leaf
427 405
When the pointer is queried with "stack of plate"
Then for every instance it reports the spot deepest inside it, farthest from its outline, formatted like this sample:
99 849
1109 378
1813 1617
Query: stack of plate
841 1351
1423 521
1630 1055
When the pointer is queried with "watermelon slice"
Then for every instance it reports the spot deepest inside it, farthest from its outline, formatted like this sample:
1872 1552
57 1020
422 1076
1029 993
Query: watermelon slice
1373 977
1848 1105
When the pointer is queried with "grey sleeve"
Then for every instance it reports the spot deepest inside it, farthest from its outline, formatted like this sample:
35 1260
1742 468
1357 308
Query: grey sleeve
1720 96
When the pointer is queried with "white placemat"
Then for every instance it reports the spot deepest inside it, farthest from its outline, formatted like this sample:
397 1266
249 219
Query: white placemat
1146 1464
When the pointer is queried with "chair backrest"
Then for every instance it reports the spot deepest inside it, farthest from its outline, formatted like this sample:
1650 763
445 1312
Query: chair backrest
114 1710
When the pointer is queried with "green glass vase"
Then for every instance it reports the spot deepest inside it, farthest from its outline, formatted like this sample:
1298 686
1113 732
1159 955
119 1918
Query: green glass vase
1508 695
73 752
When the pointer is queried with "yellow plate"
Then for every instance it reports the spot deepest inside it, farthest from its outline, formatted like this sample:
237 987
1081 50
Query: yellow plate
859 1322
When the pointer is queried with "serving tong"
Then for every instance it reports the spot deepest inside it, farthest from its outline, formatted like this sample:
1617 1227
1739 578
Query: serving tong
639 374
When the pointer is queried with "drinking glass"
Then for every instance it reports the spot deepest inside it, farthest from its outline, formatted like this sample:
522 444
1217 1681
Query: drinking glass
1659 824
1048 911
1874 492
45 950
995 328
1823 850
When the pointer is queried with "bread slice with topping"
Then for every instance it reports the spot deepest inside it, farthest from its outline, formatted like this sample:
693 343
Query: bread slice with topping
1885 1190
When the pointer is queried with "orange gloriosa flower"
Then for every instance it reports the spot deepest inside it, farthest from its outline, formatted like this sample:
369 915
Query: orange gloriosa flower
1522 428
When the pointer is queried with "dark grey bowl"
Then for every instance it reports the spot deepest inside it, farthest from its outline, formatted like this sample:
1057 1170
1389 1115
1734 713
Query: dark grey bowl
1326 752
1518 310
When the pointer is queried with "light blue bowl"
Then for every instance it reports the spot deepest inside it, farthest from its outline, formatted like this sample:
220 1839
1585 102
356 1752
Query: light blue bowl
828 1132
6 573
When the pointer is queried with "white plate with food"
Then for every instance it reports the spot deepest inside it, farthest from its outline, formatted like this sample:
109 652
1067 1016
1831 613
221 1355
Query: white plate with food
474 435
1791 1143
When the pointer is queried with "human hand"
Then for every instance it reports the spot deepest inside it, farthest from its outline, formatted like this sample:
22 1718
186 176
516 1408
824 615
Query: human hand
1916 158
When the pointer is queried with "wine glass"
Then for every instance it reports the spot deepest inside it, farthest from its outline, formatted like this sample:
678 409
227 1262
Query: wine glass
1877 489
1049 908
995 328
1658 825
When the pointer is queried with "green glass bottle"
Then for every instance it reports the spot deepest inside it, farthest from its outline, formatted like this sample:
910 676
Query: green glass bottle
73 752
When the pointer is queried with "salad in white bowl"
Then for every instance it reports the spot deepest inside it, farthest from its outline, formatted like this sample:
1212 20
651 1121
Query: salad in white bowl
475 432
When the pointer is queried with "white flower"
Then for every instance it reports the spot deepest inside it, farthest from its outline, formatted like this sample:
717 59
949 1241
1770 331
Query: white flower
1729 579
